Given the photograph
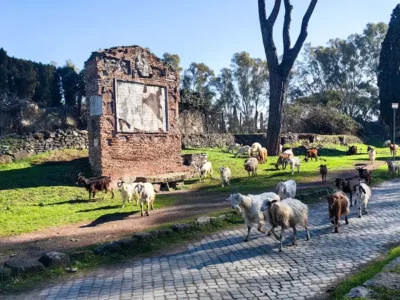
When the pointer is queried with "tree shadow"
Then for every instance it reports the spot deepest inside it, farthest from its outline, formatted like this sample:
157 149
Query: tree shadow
99 208
109 218
60 173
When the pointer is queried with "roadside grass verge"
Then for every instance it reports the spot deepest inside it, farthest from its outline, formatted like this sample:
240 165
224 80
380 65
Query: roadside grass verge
158 245
367 273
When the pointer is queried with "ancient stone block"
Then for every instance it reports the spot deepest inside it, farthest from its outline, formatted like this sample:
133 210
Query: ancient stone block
181 227
54 259
5 159
22 267
203 220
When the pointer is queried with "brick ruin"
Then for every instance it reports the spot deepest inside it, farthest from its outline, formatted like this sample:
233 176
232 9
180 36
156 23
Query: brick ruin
132 131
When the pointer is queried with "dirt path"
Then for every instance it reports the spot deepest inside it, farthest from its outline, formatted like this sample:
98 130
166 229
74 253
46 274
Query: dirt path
107 228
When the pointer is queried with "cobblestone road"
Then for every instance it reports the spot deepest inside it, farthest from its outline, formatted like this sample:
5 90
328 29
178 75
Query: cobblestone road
222 266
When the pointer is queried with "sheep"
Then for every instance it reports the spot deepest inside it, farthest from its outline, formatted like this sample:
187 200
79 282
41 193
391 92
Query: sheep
286 213
310 154
282 160
250 207
352 150
363 194
372 155
242 150
262 155
294 162
338 205
233 147
205 169
146 195
346 185
393 167
364 174
386 143
251 166
225 173
289 152
95 184
286 189
255 148
127 191
323 170
393 149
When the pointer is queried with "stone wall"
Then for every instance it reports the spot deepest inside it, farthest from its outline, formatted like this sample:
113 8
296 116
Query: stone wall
14 147
137 153
209 140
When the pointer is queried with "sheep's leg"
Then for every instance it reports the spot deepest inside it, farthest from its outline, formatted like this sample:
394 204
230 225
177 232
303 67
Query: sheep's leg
337 220
281 239
123 201
90 195
307 232
273 232
294 242
147 208
94 195
298 169
152 205
346 219
141 209
351 200
248 234
112 193
261 227
359 211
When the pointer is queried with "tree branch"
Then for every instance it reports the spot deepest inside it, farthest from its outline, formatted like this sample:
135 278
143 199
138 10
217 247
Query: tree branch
286 25
274 13
304 25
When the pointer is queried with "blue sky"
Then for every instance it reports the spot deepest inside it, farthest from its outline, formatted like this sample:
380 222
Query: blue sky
208 31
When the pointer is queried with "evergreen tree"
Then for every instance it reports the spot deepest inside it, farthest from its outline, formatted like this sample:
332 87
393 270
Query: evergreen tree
389 66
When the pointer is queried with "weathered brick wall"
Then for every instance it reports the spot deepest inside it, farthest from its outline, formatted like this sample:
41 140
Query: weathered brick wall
134 154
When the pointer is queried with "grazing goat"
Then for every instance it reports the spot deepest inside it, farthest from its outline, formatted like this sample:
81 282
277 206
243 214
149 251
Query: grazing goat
294 162
387 143
393 167
372 155
286 189
286 213
262 155
127 191
347 186
146 195
364 174
323 170
251 166
242 150
255 148
310 154
95 184
250 207
225 173
205 169
338 205
363 194
233 147
393 149
282 160
352 150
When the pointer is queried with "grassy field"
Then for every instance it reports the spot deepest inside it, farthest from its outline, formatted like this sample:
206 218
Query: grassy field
40 192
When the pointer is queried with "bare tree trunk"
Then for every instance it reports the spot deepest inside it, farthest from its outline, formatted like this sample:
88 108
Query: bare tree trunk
278 88
256 121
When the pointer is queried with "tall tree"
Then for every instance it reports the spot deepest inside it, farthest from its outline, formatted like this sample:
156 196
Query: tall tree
279 72
173 59
389 66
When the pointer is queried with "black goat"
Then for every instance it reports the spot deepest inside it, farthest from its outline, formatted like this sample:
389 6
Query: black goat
364 174
95 184
347 186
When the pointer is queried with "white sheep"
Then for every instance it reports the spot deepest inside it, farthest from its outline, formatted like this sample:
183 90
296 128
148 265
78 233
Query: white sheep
127 191
286 189
242 150
205 169
289 151
225 173
363 194
250 207
286 213
251 166
294 162
255 148
233 147
146 195
372 155
387 143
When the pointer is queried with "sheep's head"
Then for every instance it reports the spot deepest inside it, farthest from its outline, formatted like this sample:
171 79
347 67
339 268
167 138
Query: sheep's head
281 189
139 188
120 183
267 204
221 169
236 200
359 190
79 178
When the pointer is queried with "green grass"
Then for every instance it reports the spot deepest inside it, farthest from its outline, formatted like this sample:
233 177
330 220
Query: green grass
40 192
367 273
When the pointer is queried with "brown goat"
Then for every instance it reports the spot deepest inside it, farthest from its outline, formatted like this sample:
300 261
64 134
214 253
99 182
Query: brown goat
96 184
310 154
338 205
262 155
323 170
282 160
393 149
